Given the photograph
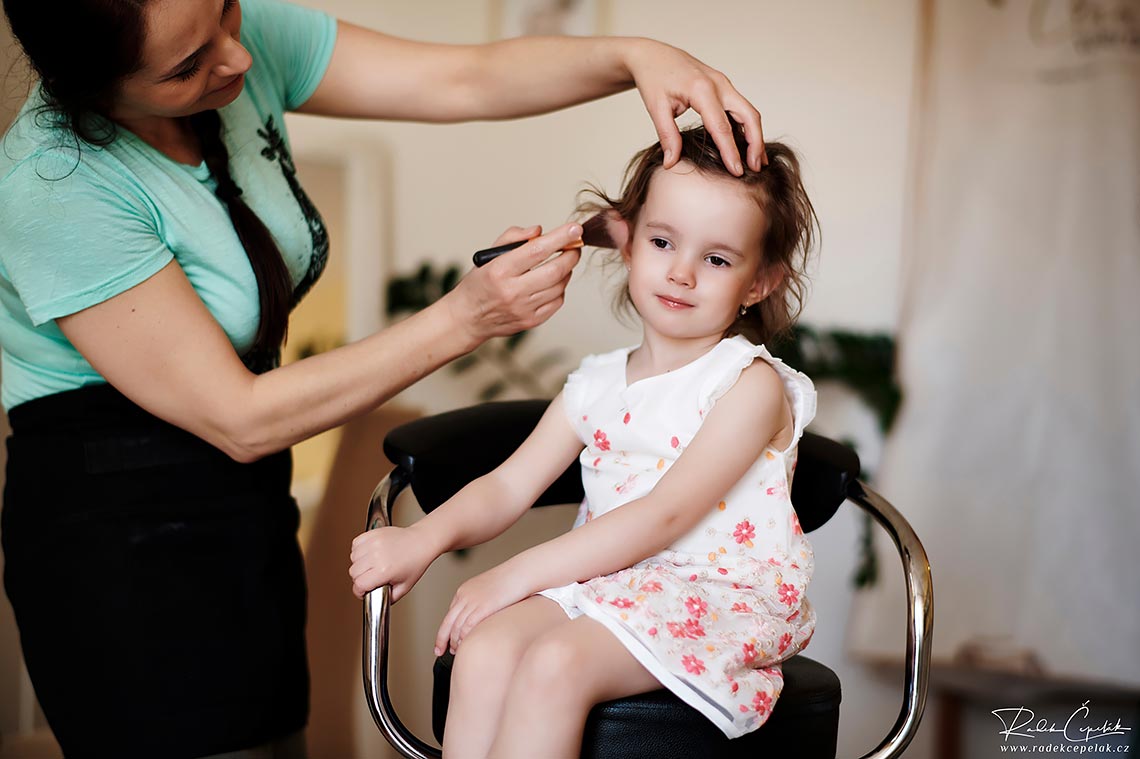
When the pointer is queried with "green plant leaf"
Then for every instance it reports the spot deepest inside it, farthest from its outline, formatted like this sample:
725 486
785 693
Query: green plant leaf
492 391
463 363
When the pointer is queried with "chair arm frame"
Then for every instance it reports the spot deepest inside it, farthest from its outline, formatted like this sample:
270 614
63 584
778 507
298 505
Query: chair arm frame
919 617
920 622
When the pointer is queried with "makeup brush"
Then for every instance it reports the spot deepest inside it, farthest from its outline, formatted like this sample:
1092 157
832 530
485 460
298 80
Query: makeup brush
596 231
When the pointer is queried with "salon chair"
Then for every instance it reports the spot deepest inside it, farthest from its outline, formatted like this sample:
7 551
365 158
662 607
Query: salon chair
438 455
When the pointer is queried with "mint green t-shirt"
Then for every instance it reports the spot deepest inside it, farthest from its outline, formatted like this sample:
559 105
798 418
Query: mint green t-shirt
80 226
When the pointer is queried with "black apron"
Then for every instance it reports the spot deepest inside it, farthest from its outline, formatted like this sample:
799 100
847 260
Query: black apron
158 584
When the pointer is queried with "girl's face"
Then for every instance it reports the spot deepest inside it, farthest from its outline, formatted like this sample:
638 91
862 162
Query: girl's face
192 61
694 254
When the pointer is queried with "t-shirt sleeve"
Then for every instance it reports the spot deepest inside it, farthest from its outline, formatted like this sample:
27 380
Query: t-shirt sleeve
69 241
294 43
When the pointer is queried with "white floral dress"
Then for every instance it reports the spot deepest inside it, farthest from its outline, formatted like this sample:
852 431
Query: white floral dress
712 615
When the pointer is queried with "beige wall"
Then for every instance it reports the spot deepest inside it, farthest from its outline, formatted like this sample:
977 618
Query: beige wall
13 77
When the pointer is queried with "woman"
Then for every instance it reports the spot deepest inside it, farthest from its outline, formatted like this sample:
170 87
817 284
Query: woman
153 238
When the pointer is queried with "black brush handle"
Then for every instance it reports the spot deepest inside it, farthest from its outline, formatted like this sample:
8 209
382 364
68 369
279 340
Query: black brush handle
487 255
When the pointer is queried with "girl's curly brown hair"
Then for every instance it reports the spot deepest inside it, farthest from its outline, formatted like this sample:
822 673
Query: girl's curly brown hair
792 225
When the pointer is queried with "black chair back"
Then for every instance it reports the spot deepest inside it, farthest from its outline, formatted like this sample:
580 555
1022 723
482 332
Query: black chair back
443 453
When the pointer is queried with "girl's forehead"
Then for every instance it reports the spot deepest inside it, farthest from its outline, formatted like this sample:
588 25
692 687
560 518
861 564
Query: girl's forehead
683 192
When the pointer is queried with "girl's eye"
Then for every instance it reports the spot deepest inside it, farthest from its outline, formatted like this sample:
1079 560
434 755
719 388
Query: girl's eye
659 243
189 73
717 261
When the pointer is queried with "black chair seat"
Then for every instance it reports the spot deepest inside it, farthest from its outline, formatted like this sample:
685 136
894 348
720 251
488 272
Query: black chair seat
805 722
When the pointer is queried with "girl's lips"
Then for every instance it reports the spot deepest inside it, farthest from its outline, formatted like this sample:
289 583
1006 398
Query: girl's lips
673 303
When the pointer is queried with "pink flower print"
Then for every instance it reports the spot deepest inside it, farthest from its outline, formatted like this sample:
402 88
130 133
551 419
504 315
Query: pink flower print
735 685
651 631
597 461
774 562
744 533
741 608
785 641
690 629
780 490
796 529
651 587
624 487
696 606
674 442
792 616
749 651
600 441
625 419
788 594
761 702
693 665
622 603
722 570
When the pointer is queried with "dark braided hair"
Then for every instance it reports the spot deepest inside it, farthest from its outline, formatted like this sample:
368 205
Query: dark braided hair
274 283
81 65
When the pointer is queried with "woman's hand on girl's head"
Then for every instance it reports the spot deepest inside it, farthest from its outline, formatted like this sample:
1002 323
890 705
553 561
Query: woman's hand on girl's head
518 290
393 556
671 81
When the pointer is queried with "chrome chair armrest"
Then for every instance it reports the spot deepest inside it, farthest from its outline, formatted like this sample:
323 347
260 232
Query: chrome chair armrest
920 617
376 623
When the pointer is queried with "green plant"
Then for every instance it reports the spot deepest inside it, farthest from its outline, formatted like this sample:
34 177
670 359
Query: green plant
864 363
427 285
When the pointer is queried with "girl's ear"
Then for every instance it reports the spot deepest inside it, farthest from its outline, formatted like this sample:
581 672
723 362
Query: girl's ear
766 281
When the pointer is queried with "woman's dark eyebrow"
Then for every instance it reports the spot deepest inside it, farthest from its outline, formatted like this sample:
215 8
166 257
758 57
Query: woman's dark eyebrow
186 63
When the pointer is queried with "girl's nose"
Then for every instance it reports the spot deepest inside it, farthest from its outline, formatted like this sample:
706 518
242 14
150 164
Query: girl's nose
681 272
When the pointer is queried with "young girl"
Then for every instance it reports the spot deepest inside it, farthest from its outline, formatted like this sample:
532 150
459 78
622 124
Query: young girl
697 582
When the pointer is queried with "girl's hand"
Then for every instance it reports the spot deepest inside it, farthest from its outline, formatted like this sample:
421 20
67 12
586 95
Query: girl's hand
477 599
516 291
671 81
395 556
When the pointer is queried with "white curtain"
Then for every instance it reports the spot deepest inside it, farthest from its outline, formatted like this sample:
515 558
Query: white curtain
1016 455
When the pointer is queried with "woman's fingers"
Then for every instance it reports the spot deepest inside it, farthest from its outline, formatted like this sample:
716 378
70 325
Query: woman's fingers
748 117
538 250
664 117
514 234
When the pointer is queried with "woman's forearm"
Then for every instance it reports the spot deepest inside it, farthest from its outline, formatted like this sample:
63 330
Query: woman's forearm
294 402
531 75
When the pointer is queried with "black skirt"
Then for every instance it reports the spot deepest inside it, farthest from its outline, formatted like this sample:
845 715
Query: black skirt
158 585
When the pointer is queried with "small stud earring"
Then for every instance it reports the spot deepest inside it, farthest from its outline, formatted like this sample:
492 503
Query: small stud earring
743 310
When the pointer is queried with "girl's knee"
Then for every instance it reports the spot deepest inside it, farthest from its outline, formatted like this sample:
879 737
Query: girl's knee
556 667
484 657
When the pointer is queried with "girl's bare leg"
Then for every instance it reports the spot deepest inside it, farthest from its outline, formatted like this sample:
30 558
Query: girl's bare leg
484 665
563 673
